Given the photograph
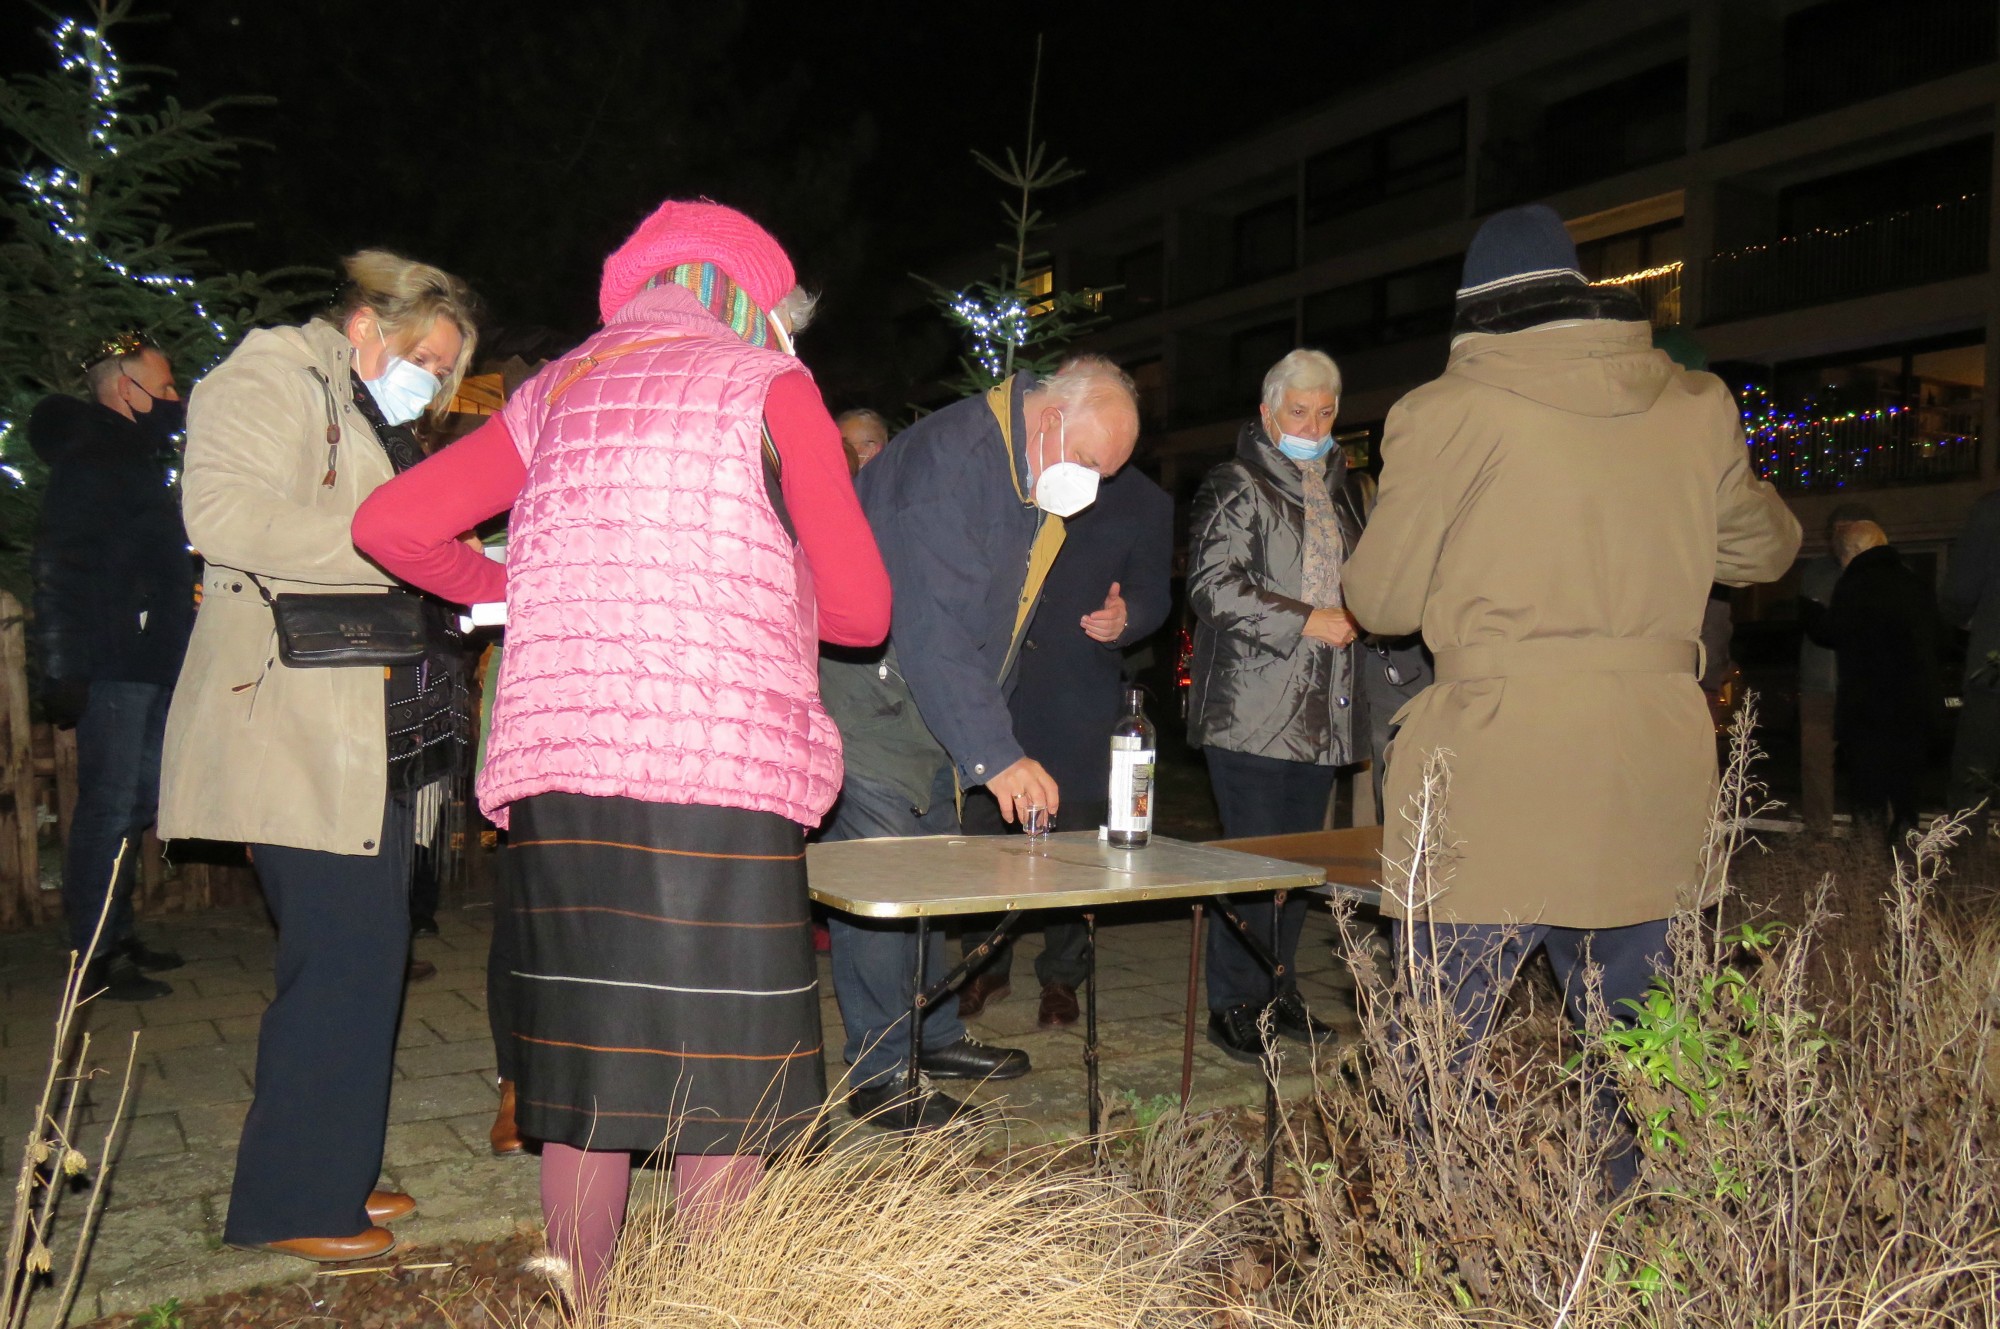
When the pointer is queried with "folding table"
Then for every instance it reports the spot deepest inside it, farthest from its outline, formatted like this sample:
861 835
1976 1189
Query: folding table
921 878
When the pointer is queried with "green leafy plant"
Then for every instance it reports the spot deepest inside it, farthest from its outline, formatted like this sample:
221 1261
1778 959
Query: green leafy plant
162 1315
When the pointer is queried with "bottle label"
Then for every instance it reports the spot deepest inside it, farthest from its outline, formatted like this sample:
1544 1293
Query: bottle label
1131 788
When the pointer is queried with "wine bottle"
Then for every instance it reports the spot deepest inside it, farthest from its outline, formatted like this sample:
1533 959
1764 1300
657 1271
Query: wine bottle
1131 775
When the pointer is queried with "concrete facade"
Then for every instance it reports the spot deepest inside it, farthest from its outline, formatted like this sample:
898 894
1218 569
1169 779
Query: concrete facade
1713 131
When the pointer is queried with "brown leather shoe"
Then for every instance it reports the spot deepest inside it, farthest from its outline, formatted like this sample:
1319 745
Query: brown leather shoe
1058 1009
366 1244
388 1206
505 1136
419 970
979 992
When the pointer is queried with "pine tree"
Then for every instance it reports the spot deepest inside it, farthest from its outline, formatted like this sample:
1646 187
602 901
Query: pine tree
91 250
1006 321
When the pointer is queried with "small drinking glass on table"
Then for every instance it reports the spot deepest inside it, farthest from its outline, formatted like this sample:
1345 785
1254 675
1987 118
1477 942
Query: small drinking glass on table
1036 824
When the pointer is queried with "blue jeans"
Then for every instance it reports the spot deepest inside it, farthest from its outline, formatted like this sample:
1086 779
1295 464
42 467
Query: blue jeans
117 796
873 960
1261 796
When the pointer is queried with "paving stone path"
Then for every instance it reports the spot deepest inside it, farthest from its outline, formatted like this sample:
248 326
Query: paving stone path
161 1233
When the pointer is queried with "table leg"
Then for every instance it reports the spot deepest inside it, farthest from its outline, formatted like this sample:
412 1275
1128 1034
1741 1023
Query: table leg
1270 1073
1194 983
1090 1069
971 960
918 1000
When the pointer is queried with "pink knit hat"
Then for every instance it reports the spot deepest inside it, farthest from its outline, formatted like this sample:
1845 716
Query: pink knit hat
697 233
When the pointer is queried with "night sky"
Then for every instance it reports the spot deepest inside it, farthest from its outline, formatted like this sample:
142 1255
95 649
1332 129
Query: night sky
515 143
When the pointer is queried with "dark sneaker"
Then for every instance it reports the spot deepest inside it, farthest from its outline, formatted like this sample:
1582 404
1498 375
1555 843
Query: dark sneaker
891 1106
146 958
1235 1031
1290 1018
117 978
970 1059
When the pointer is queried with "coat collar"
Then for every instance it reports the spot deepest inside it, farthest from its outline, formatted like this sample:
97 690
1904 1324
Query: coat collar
1257 452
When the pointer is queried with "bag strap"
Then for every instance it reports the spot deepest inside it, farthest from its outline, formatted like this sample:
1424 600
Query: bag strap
588 364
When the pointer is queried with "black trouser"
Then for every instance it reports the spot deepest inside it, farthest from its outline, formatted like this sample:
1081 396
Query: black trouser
1065 940
1478 962
1261 796
1884 768
312 1145
1975 754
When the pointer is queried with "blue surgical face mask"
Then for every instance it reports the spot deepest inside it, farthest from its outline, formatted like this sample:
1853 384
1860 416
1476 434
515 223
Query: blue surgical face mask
402 390
1304 449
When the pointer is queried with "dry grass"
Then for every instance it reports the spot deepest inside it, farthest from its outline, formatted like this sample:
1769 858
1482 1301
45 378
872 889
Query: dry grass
1818 1113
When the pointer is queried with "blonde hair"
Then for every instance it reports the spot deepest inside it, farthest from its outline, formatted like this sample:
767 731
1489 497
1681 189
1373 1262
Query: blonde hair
407 299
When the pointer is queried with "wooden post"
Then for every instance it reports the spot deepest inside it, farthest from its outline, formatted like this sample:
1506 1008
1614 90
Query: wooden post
65 749
20 856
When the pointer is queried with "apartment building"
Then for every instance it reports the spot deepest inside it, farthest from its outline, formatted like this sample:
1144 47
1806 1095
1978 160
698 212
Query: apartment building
1801 190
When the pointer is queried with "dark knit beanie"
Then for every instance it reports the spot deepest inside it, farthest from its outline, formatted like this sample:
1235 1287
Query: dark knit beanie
1519 245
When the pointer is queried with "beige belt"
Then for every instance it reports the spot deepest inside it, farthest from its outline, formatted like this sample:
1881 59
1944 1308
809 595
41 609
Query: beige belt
1569 655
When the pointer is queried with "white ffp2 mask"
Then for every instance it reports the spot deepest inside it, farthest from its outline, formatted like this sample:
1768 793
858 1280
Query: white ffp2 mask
1068 487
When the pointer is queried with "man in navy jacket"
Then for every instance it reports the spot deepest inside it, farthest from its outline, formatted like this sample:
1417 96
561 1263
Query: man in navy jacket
966 506
114 607
1110 588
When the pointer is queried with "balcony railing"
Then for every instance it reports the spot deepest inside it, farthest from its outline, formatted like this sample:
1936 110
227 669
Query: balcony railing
1807 450
1659 292
1881 254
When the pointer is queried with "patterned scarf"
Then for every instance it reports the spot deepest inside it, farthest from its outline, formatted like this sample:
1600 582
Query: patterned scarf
721 296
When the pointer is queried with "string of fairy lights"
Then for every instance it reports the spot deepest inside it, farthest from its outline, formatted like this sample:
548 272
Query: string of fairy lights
994 328
1812 448
63 194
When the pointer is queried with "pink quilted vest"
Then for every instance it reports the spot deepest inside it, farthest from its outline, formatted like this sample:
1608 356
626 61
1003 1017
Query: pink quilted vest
662 635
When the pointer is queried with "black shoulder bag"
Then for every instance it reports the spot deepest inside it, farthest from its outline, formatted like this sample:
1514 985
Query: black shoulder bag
346 629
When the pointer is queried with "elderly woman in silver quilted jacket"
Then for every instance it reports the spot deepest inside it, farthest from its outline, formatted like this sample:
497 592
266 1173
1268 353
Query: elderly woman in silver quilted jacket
1275 699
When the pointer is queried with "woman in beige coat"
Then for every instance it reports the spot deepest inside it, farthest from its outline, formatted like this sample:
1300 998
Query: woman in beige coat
1552 512
285 439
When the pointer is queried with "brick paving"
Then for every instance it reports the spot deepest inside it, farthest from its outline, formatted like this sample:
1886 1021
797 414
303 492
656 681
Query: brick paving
161 1233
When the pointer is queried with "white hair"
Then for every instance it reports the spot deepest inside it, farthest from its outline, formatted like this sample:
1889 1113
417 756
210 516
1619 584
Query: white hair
796 309
1301 371
1082 379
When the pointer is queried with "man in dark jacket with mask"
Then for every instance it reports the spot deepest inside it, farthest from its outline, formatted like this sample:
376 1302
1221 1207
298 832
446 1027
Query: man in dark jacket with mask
114 605
1275 692
968 508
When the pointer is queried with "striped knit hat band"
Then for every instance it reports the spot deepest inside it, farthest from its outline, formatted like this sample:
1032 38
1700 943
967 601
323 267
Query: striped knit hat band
720 296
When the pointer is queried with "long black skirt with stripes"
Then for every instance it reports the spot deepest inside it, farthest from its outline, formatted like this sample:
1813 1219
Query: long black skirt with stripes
660 990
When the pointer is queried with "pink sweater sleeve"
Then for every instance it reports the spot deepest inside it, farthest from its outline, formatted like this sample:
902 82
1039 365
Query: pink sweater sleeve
852 583
411 525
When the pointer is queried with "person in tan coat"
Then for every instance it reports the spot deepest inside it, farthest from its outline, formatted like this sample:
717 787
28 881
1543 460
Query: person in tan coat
286 437
1553 510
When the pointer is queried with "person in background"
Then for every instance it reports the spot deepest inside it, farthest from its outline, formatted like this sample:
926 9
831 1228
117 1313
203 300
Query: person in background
658 745
1553 510
313 768
864 433
969 506
114 604
1276 700
1110 587
1972 601
1817 679
1882 626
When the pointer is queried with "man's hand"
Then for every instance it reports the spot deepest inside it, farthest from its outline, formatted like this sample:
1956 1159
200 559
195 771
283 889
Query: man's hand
1020 784
1107 624
1335 627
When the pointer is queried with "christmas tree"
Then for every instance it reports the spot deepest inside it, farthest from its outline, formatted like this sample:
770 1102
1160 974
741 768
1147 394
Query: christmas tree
1018 320
96 165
